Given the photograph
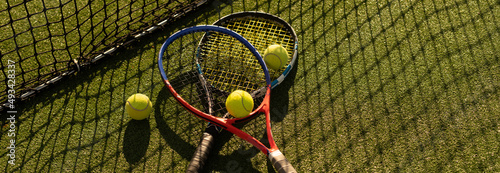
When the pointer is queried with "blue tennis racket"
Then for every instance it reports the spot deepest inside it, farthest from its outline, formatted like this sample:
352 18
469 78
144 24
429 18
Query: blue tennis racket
225 61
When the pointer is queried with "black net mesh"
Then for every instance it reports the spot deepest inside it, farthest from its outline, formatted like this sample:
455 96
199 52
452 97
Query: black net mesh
45 40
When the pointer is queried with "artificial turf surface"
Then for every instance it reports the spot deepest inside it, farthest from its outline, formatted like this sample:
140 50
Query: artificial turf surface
379 86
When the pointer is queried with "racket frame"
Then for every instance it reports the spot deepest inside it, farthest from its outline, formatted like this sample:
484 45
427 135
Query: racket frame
213 131
277 158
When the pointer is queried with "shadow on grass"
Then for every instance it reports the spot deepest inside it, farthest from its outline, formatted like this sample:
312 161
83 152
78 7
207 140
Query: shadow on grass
136 140
166 130
374 64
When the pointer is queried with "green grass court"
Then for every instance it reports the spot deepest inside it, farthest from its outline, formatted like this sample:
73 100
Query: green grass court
379 86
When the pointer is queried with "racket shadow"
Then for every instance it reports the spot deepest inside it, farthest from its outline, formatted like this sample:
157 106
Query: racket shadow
167 110
280 96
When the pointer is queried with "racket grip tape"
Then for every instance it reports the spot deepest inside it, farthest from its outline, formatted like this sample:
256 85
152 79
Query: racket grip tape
201 154
280 163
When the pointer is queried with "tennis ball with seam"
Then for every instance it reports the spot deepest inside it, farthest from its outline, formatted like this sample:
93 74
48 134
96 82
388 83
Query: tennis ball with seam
239 103
275 57
138 106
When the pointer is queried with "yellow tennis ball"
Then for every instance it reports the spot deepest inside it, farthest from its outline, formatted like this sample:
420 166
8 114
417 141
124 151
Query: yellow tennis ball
138 106
239 103
275 57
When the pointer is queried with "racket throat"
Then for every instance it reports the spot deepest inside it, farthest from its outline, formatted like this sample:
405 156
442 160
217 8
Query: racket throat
274 153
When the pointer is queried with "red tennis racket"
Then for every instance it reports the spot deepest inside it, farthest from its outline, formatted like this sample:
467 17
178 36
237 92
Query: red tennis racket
261 30
224 62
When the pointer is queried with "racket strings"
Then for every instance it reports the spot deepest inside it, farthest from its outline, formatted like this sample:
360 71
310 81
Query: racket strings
205 73
262 33
228 65
180 66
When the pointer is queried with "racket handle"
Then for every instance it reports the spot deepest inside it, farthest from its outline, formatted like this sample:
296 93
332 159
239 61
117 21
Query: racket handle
280 163
201 153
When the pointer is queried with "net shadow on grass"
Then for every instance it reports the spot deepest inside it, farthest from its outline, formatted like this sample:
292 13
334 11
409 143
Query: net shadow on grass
380 86
55 134
361 68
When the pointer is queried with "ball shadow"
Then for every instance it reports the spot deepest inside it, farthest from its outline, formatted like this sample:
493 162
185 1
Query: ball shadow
136 140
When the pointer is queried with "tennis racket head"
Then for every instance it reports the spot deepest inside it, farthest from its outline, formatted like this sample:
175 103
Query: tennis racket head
222 65
262 30
223 62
